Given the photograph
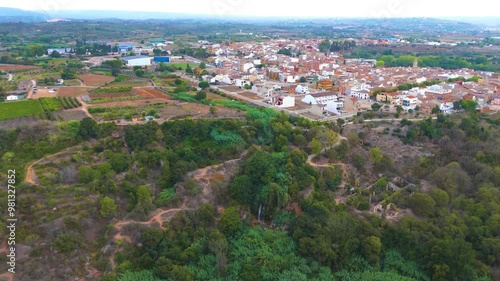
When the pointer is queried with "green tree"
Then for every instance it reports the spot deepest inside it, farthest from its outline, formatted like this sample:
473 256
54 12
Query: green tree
376 155
201 95
229 222
376 106
316 147
86 174
373 246
88 128
469 105
55 54
202 65
422 204
8 156
203 84
303 79
107 207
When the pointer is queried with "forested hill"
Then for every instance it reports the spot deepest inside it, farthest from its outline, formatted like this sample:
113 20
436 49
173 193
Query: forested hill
270 197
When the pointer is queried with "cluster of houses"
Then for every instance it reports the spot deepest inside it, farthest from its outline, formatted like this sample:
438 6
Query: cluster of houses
328 80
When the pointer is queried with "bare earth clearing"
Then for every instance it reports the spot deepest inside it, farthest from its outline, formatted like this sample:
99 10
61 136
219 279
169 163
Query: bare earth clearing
96 80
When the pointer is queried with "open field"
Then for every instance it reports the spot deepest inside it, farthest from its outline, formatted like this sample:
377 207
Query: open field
71 92
250 95
151 93
231 88
96 80
183 65
166 110
44 93
140 102
136 83
10 110
14 67
72 82
68 115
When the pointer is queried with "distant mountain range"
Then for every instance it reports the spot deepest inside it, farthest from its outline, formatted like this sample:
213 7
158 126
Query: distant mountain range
18 15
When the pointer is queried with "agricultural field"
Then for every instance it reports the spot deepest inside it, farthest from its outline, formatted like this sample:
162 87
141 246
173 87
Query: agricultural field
50 104
72 82
96 80
113 94
11 110
72 92
133 83
150 93
14 67
69 102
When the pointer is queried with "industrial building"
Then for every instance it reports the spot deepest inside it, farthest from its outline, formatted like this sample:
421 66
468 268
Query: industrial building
137 61
161 59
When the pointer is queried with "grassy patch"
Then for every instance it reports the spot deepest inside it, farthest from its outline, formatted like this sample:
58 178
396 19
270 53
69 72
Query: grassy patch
50 104
11 110
183 65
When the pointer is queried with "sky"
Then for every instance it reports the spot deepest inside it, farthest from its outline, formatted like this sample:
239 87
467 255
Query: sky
267 8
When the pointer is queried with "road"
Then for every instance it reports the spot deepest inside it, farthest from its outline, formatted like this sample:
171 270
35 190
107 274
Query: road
393 119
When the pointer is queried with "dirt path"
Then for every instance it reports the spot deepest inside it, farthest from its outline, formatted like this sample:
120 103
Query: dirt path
201 176
84 107
31 177
339 198
156 218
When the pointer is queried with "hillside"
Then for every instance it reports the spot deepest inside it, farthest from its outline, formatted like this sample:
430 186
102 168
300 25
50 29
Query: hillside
269 197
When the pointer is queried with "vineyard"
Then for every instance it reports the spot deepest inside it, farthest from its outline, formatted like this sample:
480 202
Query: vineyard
69 102
113 90
50 104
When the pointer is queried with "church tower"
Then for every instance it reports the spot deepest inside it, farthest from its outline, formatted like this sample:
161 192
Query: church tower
415 63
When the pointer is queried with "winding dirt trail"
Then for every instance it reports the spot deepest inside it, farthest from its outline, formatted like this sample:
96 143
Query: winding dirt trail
31 177
203 178
156 218
339 198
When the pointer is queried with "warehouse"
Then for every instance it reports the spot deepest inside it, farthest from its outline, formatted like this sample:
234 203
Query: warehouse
137 61
161 59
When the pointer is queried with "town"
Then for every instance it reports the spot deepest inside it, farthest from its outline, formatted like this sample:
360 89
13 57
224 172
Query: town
290 75
153 146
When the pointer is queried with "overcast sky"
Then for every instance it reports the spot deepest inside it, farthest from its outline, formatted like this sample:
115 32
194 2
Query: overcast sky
308 8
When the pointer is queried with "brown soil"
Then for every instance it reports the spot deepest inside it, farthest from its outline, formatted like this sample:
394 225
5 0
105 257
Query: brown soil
72 91
44 93
12 67
128 103
150 93
96 80
249 95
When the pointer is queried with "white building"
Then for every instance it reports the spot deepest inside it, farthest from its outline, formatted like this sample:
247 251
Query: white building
302 89
137 61
409 102
362 94
320 98
241 82
284 101
12 97
335 106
